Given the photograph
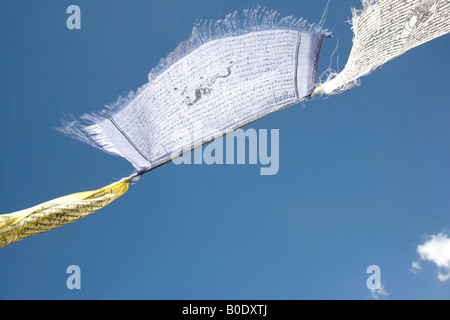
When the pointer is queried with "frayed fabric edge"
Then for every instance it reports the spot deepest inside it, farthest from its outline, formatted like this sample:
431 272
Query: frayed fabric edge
233 24
89 131
328 86
89 134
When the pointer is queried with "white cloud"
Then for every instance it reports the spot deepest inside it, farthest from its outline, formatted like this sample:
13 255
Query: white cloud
415 266
443 277
436 249
377 293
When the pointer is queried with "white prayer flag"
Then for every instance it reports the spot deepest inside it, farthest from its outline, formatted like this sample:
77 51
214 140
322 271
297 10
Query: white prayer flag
384 30
228 74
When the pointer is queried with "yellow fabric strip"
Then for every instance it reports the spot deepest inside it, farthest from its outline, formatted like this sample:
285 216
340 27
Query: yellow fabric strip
58 212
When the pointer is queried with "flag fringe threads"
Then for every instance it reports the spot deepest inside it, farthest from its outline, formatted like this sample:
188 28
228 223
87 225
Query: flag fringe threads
330 74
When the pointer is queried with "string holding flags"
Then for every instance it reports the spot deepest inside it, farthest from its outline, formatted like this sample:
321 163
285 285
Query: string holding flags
229 73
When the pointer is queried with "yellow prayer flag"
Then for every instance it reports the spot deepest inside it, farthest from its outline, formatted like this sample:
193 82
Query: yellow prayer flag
58 212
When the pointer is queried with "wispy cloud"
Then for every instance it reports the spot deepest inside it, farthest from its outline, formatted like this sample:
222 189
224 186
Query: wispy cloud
436 249
415 267
378 293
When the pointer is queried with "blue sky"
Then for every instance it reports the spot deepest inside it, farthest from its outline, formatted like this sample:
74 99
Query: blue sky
363 175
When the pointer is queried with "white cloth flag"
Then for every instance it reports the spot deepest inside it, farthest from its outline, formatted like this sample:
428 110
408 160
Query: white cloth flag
228 74
384 30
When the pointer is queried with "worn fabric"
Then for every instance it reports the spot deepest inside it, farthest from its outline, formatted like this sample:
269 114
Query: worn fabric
384 30
228 74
